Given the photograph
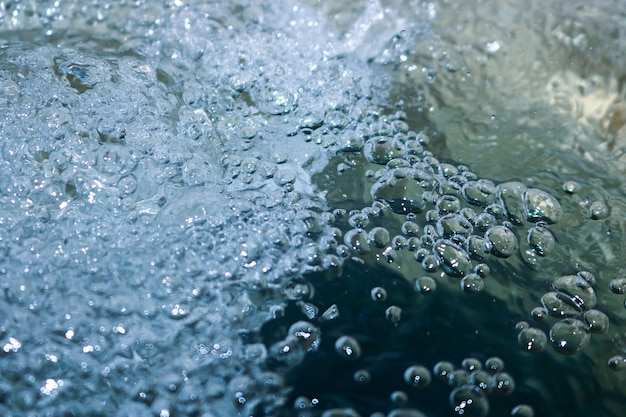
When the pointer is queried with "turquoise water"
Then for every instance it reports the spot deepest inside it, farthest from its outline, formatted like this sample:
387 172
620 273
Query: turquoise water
316 209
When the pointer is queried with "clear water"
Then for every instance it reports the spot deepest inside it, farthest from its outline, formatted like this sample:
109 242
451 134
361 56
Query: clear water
320 208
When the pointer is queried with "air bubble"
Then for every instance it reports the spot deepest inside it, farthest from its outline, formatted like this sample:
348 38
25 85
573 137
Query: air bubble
471 364
617 363
393 314
556 306
341 412
511 195
469 401
348 348
288 351
501 241
569 336
598 210
307 333
378 294
480 193
379 237
458 377
541 206
448 204
472 284
578 291
597 321
356 239
522 410
442 370
362 376
401 412
504 384
417 376
453 224
482 380
618 285
380 150
399 398
539 313
532 339
454 260
425 285
540 240
494 364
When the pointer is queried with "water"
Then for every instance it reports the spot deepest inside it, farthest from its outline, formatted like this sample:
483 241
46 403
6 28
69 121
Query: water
322 208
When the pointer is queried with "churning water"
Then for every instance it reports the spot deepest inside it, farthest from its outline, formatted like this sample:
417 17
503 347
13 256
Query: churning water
337 208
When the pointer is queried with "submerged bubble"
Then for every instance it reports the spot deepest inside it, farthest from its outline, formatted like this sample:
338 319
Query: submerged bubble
494 364
417 376
356 239
504 384
362 376
511 195
425 285
522 410
541 206
501 240
541 240
481 192
617 363
348 348
569 336
379 237
571 187
453 258
378 294
399 398
472 283
532 339
576 291
598 210
618 285
393 314
597 321
469 401
380 150
442 370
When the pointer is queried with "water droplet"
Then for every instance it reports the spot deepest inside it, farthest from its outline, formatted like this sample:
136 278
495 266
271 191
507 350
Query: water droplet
501 241
417 376
532 339
569 336
597 321
425 285
542 206
598 210
522 410
469 401
348 348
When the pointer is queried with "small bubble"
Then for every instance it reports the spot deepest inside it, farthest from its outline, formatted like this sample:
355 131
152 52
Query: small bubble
356 239
541 240
522 410
618 285
425 285
587 276
469 401
348 348
598 210
393 314
482 380
471 364
501 241
399 398
472 284
417 376
532 339
458 377
442 370
378 294
362 376
504 383
494 364
482 270
597 321
617 363
539 313
571 187
569 336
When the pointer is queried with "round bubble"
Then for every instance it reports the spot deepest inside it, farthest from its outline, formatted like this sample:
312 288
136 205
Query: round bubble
555 303
494 364
393 314
453 224
453 258
448 204
541 206
425 285
522 410
401 412
403 195
511 195
532 339
362 376
579 292
598 210
378 294
481 193
597 321
618 285
587 276
458 377
482 380
356 239
379 237
288 351
417 376
571 187
541 240
472 284
348 348
380 150
501 241
341 412
539 313
399 398
569 336
471 364
469 401
307 333
442 370
617 363
504 384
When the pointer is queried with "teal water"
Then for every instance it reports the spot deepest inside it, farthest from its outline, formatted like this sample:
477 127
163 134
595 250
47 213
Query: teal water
316 209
